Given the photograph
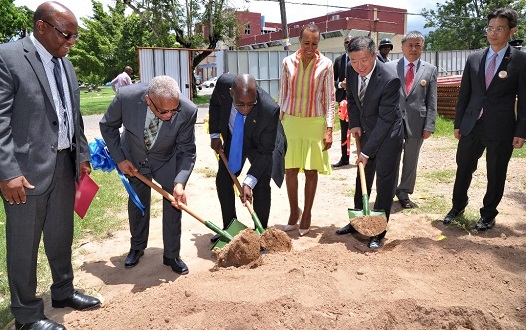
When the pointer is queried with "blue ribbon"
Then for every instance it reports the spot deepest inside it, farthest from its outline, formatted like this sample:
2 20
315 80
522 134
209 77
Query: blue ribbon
101 160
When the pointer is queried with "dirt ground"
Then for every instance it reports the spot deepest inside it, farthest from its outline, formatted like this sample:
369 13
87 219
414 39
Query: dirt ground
426 276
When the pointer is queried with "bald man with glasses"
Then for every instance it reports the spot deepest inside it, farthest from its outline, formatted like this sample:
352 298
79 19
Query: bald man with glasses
43 150
158 141
237 102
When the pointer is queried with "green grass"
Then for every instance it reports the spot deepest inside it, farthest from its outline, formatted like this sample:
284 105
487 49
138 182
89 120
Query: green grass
95 103
107 213
201 100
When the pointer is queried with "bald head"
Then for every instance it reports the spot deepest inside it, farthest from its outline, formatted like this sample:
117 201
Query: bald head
244 93
55 27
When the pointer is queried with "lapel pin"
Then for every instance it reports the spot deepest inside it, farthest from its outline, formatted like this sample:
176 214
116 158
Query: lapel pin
503 74
423 83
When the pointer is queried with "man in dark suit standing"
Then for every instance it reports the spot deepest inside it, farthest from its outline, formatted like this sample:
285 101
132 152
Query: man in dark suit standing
485 119
43 150
158 141
418 105
374 118
340 65
258 117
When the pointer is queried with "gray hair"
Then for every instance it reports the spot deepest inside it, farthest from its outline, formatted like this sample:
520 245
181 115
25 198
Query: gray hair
358 44
413 35
164 87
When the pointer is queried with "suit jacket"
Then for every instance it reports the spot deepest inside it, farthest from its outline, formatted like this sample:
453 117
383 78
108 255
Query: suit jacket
498 101
339 76
379 117
29 125
260 130
419 107
172 157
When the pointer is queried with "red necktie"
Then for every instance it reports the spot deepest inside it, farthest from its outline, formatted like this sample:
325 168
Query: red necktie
409 78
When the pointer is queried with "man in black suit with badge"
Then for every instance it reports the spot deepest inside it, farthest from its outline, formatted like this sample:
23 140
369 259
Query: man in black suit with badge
494 79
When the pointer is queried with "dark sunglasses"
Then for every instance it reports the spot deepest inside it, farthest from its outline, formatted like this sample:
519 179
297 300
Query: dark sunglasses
346 42
164 112
66 36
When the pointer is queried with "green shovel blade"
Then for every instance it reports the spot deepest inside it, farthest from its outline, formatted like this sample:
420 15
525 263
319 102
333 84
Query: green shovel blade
233 229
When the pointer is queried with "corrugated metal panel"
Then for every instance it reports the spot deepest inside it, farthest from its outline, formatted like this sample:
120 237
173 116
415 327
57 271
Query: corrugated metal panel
166 61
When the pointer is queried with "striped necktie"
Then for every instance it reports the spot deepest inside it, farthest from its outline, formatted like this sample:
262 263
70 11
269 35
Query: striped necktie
363 87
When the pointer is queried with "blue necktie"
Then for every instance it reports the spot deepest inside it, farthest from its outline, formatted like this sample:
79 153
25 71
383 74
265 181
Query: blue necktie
236 144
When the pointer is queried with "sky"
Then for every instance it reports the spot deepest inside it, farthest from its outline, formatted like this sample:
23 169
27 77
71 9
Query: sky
296 9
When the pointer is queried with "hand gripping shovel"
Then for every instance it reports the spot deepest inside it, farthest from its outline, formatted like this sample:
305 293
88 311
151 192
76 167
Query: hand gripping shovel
255 218
225 235
366 222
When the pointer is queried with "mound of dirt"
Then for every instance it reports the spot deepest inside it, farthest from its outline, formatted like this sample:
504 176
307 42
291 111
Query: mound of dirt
274 240
243 250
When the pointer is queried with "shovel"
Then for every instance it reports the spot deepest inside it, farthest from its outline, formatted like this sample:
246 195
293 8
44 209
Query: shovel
255 218
366 222
225 235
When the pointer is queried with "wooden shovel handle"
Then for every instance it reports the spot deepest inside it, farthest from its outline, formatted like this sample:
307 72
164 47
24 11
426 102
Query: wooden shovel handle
238 185
167 195
360 167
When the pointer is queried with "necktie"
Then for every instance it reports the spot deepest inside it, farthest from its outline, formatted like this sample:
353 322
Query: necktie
151 132
490 71
363 87
409 78
236 144
57 72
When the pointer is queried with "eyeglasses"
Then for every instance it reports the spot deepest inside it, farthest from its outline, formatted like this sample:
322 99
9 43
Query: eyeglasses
240 105
66 36
498 30
346 42
164 112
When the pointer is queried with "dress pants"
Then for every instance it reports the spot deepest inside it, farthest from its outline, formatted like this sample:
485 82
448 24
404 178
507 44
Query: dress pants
498 154
51 214
227 198
406 186
343 132
140 224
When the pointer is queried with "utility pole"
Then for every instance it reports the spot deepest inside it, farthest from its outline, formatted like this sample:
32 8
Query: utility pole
284 28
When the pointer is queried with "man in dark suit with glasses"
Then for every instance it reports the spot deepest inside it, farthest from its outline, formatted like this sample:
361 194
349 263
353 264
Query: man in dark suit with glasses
239 96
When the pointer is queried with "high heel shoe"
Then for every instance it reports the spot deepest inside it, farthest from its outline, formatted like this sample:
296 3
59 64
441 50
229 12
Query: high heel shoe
295 226
290 227
303 232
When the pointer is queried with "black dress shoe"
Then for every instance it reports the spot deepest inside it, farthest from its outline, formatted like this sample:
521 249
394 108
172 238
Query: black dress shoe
347 229
177 265
374 243
452 214
133 258
406 203
485 223
44 324
78 301
341 163
215 238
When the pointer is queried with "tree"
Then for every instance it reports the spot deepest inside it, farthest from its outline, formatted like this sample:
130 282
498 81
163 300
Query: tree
16 22
460 23
171 22
107 43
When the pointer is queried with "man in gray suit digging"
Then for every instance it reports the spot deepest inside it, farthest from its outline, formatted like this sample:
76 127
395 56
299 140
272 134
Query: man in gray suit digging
418 105
158 141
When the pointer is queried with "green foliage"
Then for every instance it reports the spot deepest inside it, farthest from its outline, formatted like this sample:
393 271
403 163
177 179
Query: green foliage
107 43
459 24
15 21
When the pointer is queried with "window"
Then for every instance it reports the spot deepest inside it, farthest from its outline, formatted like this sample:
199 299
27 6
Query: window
247 28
